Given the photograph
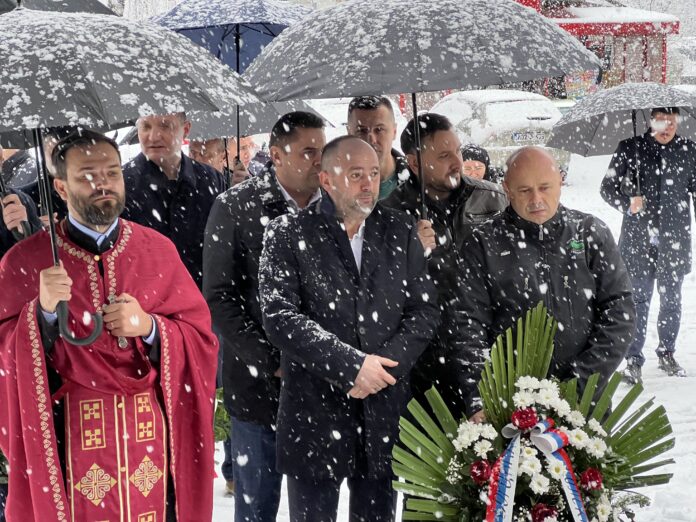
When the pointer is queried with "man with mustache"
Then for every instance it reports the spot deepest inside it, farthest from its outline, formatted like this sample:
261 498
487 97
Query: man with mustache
652 180
122 428
346 299
538 250
455 204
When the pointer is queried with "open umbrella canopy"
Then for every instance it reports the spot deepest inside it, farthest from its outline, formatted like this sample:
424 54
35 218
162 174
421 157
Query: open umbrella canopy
598 122
365 47
64 69
255 118
66 6
213 24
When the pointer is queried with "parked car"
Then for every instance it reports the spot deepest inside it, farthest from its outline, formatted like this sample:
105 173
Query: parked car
501 121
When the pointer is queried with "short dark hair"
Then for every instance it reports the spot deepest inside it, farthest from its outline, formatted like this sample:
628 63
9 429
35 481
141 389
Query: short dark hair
664 110
331 148
80 138
58 133
284 129
369 103
428 124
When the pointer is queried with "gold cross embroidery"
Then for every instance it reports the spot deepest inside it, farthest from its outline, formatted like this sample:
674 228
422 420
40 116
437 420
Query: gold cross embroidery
144 404
95 484
146 476
93 437
91 410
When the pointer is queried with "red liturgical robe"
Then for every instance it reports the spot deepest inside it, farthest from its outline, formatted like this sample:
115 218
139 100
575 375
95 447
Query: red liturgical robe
130 425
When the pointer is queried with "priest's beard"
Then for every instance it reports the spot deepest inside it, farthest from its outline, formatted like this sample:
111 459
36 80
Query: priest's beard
99 214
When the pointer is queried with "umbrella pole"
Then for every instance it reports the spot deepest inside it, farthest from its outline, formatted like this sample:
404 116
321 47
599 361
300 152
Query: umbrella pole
62 307
45 192
635 141
237 42
424 208
227 162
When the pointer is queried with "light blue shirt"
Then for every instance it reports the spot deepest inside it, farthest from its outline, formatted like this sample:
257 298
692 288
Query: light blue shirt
99 237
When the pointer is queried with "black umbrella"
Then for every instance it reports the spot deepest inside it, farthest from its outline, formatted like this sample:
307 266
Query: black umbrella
364 47
66 6
234 31
87 70
597 123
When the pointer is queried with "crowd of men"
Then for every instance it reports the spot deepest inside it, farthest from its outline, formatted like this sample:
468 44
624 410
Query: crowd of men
336 294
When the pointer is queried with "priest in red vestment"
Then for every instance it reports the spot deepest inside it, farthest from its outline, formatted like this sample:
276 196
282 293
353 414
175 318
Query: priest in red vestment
121 429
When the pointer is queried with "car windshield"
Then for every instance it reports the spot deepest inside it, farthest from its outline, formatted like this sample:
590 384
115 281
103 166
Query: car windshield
520 114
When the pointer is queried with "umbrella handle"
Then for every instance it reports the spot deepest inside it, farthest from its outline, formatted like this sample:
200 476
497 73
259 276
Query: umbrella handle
22 234
62 311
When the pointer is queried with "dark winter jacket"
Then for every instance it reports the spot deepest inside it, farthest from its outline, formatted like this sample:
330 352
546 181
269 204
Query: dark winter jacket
233 244
667 182
177 208
324 316
60 207
473 203
7 240
572 264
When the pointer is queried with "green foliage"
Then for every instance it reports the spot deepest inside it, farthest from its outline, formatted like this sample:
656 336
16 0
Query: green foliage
526 354
222 418
636 434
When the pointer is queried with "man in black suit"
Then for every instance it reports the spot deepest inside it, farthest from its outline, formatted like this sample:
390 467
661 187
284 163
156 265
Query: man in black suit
347 301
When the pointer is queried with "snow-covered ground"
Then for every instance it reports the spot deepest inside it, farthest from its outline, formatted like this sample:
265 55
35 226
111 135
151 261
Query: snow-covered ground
671 503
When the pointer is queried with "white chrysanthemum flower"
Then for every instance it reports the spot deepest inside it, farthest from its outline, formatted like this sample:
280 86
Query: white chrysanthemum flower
539 484
576 418
528 452
548 384
603 512
531 466
527 382
556 469
546 397
466 435
488 431
596 427
523 399
596 447
562 407
482 447
578 438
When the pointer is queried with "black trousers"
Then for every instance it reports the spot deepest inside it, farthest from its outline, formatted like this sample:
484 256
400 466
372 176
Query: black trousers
371 500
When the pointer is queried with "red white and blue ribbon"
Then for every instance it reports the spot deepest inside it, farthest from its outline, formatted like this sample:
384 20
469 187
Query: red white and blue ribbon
503 481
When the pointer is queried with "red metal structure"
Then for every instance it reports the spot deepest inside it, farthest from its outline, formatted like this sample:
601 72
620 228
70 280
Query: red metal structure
632 42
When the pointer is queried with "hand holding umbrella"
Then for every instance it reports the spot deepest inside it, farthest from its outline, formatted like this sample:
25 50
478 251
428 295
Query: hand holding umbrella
12 210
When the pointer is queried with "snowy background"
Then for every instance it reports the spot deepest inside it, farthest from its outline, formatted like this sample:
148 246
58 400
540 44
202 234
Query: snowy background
671 503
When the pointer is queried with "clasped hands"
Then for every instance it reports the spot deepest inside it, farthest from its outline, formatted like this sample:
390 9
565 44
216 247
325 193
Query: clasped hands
373 377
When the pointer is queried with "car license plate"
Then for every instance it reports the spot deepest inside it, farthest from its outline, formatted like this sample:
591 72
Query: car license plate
528 137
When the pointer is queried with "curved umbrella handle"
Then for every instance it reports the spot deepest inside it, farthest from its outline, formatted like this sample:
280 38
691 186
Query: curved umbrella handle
22 234
62 311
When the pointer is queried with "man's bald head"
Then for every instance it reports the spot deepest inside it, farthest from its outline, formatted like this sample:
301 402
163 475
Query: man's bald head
533 184
338 151
350 176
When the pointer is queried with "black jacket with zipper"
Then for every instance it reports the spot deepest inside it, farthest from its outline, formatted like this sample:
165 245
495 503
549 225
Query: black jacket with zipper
572 264
474 202
233 244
